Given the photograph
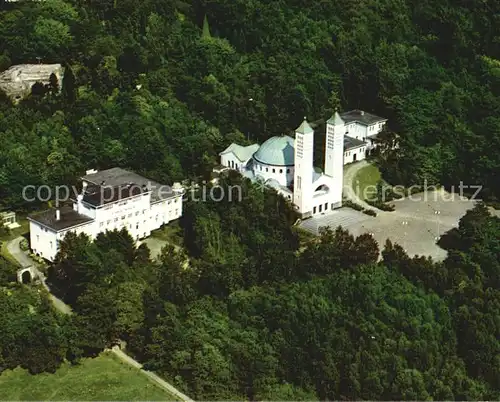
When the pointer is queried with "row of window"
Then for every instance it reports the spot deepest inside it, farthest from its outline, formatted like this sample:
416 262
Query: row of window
372 128
145 210
274 170
108 222
320 208
348 153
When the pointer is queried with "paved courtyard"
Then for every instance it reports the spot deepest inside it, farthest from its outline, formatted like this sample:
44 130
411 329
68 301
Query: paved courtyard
416 223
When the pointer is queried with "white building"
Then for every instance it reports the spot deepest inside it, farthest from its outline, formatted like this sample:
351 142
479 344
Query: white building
286 164
361 130
110 199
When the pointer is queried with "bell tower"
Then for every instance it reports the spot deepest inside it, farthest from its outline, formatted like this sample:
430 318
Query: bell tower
303 172
334 156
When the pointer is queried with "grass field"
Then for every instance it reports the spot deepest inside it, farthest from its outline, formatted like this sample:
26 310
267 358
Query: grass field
104 378
365 182
20 231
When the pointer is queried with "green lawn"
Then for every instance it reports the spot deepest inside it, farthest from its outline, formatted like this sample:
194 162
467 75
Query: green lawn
104 378
20 231
365 182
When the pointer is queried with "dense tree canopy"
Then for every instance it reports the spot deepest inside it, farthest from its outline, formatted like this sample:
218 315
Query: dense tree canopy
325 320
177 82
247 311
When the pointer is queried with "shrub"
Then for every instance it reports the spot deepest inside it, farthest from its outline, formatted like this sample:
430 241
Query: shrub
380 205
392 195
370 212
353 205
23 245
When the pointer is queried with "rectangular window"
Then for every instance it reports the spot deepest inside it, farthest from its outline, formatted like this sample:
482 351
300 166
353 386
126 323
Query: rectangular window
320 208
314 210
123 217
299 182
326 206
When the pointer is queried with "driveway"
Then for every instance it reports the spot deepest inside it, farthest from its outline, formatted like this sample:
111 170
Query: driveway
24 260
21 257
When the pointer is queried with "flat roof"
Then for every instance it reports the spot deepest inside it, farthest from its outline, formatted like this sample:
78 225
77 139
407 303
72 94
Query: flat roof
116 177
350 143
68 218
102 195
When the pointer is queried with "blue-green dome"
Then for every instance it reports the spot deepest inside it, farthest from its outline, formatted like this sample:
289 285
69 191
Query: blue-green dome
278 151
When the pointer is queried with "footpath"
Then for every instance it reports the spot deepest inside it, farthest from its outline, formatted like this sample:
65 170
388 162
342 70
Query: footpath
24 260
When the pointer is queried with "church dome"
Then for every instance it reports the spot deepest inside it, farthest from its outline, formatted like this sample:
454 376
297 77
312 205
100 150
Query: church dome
277 151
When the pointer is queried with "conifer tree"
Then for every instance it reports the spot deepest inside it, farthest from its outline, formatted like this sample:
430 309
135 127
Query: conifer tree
206 28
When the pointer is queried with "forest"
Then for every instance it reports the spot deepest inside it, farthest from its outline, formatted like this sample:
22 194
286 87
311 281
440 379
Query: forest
261 315
160 87
178 81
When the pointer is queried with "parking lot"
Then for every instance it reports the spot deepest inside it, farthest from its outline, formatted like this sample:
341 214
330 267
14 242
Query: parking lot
416 223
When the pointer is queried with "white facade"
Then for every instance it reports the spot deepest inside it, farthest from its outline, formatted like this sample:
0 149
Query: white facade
140 212
363 126
282 174
304 168
355 155
286 164
334 154
236 157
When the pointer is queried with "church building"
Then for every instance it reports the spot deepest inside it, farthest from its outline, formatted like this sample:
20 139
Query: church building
286 164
